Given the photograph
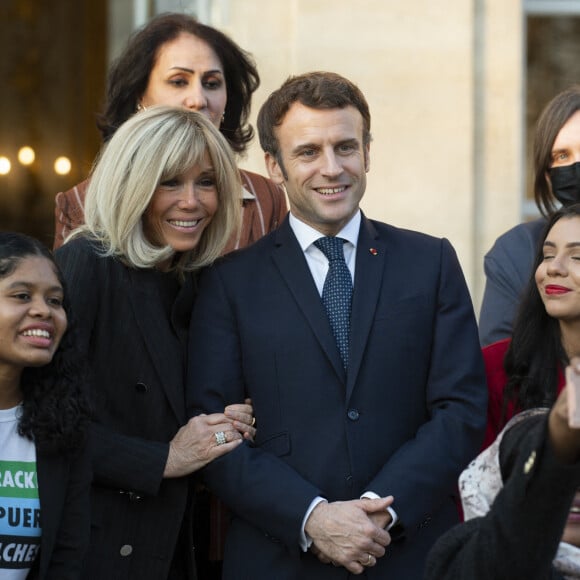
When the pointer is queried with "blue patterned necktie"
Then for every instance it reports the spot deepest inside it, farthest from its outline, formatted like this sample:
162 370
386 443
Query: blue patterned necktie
337 292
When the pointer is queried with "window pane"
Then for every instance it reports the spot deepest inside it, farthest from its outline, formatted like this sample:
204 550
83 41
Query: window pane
553 64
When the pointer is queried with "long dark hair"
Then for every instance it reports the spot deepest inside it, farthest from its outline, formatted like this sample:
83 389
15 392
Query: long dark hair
535 355
129 75
55 411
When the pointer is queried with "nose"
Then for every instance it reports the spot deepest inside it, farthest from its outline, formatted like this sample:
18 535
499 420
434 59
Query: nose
331 164
39 308
556 267
196 99
188 198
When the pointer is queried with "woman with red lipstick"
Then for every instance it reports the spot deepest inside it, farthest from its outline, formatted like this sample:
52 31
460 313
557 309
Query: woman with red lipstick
521 502
532 457
526 371
44 469
163 200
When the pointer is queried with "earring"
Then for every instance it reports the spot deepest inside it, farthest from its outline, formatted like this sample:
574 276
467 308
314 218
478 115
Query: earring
140 107
223 118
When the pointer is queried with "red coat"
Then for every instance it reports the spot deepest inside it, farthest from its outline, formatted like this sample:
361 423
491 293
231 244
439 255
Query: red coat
493 356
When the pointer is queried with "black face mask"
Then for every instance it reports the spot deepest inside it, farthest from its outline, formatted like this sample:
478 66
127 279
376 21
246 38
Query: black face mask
566 183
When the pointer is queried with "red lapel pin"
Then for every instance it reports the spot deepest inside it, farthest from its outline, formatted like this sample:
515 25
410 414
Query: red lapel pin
373 251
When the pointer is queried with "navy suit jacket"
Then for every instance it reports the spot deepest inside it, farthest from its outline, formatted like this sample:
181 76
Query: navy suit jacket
405 420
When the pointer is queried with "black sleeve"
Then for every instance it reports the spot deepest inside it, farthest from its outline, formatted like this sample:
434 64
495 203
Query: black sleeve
519 536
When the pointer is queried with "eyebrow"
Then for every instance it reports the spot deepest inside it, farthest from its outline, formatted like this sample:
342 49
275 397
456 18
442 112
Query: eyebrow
191 71
569 245
22 283
209 171
303 146
350 141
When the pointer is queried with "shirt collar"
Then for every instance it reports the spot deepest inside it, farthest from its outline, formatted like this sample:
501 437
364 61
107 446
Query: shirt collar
307 235
247 194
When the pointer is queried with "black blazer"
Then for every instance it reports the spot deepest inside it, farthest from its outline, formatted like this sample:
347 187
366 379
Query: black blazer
63 488
519 536
135 346
405 420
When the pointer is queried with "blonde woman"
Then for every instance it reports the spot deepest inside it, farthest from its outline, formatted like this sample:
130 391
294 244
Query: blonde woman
163 200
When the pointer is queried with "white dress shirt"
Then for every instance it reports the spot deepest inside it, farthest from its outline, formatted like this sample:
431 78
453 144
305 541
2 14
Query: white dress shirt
315 258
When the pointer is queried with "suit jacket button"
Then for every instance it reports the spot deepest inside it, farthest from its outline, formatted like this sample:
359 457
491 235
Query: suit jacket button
353 414
141 387
126 550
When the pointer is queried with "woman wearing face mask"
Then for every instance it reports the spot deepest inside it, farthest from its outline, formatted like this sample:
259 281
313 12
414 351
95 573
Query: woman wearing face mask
44 466
175 60
162 201
526 371
557 181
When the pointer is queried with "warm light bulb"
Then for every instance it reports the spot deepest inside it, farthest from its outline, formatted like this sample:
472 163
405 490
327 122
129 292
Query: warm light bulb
5 165
62 165
26 155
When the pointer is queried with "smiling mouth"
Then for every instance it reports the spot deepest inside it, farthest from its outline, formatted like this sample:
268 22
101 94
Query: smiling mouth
37 332
330 190
184 224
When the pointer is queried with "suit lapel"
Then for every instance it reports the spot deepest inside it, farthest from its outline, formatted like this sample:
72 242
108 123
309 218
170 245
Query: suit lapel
161 344
290 261
370 265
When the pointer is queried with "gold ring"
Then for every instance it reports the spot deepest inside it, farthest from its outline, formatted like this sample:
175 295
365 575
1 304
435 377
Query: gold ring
369 560
253 421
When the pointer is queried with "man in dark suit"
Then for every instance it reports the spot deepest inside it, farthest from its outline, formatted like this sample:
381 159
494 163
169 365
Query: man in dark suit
388 402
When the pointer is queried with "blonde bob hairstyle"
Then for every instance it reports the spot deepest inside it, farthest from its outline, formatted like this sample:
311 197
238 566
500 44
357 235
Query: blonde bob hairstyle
154 146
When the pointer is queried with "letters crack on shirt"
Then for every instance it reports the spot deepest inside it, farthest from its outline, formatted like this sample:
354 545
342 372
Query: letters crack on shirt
20 528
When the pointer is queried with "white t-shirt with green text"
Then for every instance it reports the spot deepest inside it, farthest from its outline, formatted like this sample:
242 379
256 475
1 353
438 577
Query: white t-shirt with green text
20 529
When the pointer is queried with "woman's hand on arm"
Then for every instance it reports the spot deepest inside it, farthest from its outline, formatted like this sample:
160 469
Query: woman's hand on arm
242 417
196 444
